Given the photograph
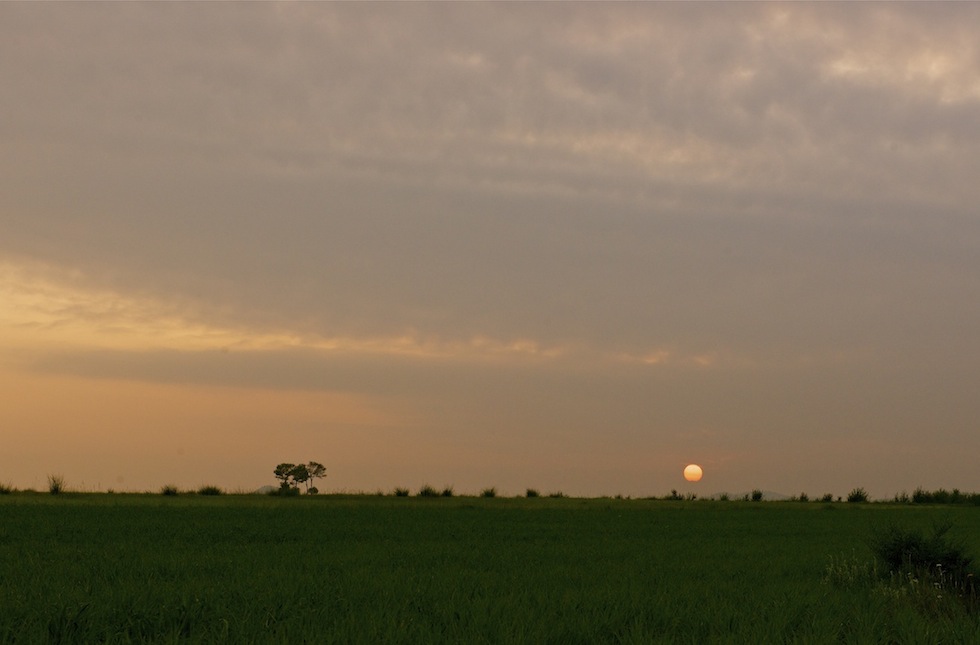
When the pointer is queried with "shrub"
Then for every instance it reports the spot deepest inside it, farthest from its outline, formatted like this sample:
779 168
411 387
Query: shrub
931 562
530 492
858 495
169 490
209 490
489 492
428 491
827 498
756 495
556 495
903 550
803 498
723 497
6 489
56 484
312 490
401 492
447 491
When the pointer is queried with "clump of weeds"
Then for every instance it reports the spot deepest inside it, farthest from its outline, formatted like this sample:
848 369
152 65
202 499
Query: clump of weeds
56 484
930 568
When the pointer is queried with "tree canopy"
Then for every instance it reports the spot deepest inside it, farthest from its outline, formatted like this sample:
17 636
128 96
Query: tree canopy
291 476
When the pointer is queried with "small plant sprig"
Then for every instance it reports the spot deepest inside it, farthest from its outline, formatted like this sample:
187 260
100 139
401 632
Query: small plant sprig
56 484
489 492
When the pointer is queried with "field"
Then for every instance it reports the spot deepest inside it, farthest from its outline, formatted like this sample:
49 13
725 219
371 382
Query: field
86 568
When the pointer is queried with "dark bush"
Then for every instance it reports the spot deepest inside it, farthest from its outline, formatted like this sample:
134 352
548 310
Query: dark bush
858 495
903 550
489 492
757 495
401 492
428 491
935 560
169 490
209 490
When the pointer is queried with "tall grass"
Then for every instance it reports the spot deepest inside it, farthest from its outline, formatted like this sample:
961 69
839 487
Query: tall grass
56 484
131 568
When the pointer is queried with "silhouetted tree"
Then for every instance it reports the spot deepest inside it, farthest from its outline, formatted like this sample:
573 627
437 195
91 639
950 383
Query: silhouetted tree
290 476
301 475
283 473
314 471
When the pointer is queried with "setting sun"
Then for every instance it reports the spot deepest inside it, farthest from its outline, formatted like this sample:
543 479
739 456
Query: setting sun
693 473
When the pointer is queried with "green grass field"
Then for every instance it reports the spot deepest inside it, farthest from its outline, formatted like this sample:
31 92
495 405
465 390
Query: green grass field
89 568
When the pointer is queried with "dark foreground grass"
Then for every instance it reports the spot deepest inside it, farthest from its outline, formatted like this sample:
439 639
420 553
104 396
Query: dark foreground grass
247 569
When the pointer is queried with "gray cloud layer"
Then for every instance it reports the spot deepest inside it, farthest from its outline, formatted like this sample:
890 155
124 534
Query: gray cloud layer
631 172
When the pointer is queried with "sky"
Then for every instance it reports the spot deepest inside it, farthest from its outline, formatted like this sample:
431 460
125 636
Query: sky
570 247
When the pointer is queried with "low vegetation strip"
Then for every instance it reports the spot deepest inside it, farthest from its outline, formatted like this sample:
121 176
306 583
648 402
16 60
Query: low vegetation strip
80 568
